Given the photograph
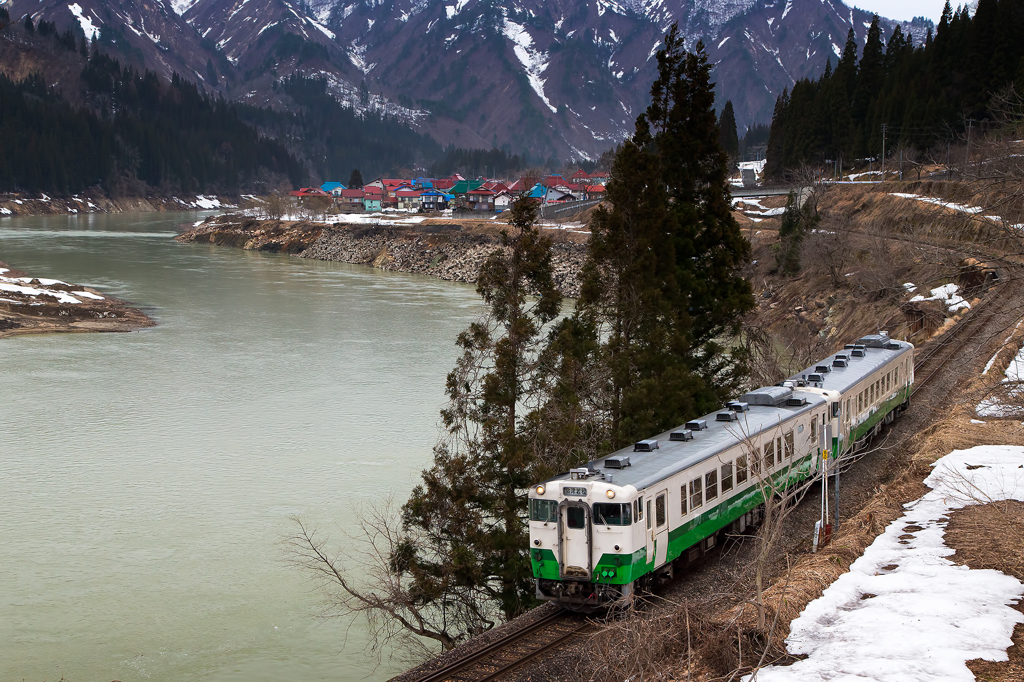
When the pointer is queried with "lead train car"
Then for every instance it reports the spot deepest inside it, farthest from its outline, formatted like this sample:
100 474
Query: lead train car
599 531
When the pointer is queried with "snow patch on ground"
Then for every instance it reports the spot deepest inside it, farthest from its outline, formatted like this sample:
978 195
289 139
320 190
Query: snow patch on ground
90 29
904 611
1009 403
949 294
534 61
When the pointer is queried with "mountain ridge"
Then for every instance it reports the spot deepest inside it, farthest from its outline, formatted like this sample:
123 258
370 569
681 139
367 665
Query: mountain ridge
552 79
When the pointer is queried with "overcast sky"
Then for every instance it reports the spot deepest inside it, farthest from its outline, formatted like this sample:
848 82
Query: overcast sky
903 10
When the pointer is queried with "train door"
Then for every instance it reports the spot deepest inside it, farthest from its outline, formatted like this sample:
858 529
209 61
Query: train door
657 528
574 540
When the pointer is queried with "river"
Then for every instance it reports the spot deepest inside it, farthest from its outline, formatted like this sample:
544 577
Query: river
148 480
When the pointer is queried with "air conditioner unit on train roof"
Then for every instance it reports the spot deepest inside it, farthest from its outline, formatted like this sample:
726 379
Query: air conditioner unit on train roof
767 396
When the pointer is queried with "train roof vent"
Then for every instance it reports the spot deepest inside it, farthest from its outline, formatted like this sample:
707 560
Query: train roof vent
726 417
822 369
857 352
769 396
682 434
892 345
737 406
697 424
839 363
620 462
796 401
849 346
842 356
873 341
815 378
649 445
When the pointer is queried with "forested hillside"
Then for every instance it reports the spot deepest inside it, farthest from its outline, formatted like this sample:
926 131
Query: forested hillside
924 94
74 117
128 132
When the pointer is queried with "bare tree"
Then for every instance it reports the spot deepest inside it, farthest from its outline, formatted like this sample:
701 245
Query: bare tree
387 593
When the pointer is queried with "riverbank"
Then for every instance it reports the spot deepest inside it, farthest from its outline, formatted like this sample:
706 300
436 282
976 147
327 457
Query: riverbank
16 204
34 305
451 250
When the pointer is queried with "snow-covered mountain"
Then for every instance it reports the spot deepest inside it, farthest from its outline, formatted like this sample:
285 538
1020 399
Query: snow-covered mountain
562 78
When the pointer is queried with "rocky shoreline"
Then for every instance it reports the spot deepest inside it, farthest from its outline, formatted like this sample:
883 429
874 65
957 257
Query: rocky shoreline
26 205
35 305
449 250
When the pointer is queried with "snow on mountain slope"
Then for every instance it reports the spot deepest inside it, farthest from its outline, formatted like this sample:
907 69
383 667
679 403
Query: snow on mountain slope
552 77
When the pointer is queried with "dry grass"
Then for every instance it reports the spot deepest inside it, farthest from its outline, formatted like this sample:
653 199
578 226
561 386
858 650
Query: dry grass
992 536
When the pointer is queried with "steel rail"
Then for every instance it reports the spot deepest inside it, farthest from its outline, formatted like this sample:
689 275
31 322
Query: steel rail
477 666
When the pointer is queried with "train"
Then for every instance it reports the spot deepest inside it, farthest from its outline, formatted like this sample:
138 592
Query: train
601 532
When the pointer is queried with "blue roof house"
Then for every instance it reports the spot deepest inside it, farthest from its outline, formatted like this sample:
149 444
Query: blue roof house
333 188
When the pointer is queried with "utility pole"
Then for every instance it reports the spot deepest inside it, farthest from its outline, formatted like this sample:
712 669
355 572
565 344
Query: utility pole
884 125
967 161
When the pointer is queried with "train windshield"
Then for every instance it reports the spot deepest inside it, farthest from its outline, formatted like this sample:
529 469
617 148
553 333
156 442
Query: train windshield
543 510
612 514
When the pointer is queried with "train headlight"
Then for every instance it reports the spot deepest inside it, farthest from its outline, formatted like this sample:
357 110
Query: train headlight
610 493
540 490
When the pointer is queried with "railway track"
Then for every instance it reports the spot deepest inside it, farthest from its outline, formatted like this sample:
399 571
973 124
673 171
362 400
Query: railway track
935 356
508 653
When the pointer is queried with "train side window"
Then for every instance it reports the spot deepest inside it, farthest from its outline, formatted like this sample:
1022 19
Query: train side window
741 469
789 444
711 484
896 375
660 512
639 502
888 382
696 493
769 455
575 517
814 431
543 510
682 500
726 478
648 514
755 464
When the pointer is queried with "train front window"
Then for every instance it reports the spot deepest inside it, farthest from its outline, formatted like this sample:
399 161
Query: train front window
608 514
543 510
575 517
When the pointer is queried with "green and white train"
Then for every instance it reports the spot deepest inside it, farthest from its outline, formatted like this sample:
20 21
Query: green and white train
600 531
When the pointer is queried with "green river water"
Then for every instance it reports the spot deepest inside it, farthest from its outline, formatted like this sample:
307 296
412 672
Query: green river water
148 479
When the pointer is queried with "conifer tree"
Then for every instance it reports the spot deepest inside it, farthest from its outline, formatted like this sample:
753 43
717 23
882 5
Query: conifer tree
661 272
869 81
355 180
472 502
727 136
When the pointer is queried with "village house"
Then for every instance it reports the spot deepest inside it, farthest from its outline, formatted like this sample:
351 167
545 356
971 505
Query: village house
351 197
409 199
333 188
481 199
304 194
433 200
